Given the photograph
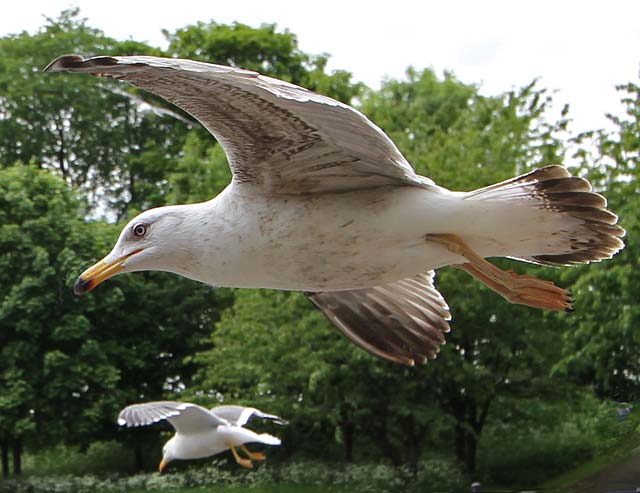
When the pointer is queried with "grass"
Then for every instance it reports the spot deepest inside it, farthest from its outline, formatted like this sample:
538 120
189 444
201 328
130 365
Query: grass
299 477
597 465
274 488
619 452
279 488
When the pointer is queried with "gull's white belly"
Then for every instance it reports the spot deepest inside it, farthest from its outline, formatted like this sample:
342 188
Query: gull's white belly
198 445
206 443
326 242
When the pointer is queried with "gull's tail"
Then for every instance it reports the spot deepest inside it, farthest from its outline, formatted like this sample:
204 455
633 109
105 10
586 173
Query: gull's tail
237 435
547 216
268 439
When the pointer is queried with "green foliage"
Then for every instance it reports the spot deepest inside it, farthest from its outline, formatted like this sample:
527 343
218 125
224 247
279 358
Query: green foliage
616 450
603 342
100 458
263 50
436 475
200 173
461 139
67 365
110 148
544 439
64 361
45 349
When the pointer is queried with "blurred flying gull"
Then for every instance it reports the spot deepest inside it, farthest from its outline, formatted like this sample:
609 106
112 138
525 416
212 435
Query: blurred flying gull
202 432
323 202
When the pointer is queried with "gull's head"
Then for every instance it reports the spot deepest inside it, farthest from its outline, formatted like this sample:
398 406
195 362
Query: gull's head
153 240
167 456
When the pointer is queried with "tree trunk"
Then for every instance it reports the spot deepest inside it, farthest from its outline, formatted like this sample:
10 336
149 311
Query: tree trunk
17 457
4 446
348 443
137 451
379 427
347 432
459 443
61 150
472 446
466 445
411 444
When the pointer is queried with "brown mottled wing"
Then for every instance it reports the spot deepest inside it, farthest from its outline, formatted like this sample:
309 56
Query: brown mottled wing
282 137
404 321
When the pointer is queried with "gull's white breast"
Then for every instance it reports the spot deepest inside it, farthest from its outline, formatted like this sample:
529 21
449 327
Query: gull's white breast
320 242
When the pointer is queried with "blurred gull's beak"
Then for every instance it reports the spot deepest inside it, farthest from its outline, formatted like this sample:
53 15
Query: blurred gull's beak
162 466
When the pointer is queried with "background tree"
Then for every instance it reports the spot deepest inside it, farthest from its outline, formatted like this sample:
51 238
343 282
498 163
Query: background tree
263 49
69 364
41 335
115 150
602 343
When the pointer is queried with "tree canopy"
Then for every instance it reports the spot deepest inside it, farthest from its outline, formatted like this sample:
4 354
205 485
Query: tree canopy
79 155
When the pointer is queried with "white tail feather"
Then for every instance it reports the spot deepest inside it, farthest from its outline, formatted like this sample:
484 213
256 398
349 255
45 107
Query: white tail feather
553 218
268 439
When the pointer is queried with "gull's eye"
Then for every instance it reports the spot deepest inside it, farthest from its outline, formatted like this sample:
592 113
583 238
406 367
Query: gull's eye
139 230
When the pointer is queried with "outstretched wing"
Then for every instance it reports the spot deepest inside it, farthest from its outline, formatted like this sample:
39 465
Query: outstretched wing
404 321
279 136
240 415
185 417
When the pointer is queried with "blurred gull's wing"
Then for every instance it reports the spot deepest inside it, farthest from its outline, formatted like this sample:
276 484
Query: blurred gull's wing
185 417
240 415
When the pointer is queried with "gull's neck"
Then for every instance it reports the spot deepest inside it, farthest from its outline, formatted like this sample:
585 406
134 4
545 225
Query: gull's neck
204 239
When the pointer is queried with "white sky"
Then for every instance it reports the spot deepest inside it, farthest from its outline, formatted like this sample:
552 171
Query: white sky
582 49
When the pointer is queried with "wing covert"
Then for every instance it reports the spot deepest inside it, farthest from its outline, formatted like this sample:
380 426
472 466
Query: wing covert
277 135
185 417
404 321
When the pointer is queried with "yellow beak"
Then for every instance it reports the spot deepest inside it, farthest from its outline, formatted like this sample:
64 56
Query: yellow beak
99 272
163 465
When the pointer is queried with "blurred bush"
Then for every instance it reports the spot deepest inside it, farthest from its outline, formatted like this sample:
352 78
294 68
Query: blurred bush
433 475
99 459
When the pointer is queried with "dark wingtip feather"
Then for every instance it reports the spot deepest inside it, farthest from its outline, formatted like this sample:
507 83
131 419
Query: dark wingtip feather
63 63
77 63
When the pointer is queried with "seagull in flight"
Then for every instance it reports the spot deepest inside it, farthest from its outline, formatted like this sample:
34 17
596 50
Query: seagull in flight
202 432
322 201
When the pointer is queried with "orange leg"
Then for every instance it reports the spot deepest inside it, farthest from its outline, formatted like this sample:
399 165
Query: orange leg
246 463
253 455
516 288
